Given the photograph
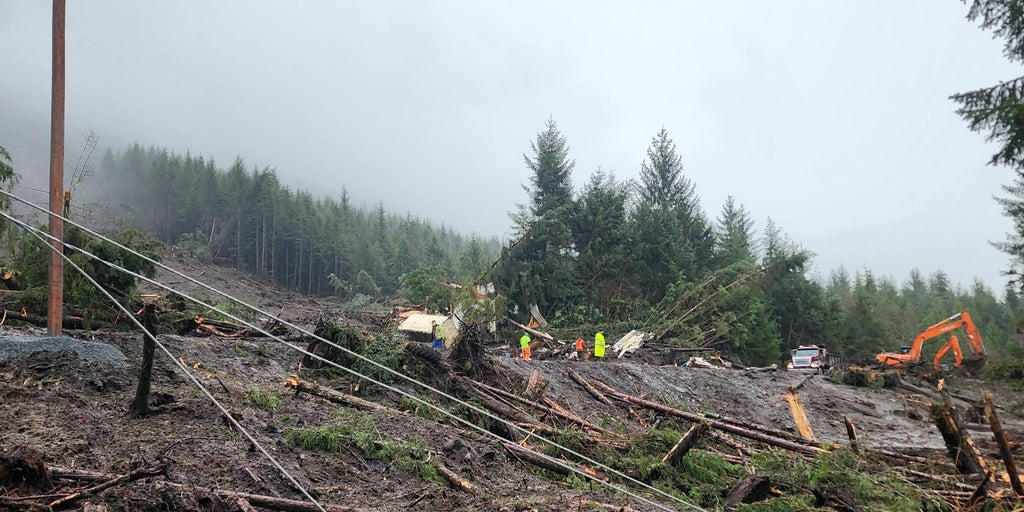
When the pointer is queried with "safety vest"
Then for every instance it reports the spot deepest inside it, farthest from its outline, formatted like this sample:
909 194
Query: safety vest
599 345
524 342
580 345
438 332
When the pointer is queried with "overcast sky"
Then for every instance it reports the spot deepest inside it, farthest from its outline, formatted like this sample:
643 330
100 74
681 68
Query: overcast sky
830 117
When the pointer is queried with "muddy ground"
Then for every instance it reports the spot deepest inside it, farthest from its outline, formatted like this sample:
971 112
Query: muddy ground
75 414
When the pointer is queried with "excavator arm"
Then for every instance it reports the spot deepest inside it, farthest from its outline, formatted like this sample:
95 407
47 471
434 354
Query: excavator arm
960 320
954 345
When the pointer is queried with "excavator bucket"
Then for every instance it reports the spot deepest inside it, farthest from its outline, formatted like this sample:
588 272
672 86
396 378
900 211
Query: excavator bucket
974 366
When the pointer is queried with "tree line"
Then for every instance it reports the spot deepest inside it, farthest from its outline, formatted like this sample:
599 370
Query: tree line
243 216
643 254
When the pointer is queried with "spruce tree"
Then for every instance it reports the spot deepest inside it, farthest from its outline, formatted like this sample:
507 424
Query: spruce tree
998 111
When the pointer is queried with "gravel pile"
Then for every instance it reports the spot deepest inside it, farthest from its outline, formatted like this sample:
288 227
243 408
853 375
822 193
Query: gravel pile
13 348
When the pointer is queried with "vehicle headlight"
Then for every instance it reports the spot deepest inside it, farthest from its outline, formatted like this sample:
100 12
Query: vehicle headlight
815 364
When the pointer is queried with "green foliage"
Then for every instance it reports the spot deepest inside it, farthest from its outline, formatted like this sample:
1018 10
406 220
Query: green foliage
384 349
264 400
33 256
1009 371
427 285
870 485
365 284
231 309
357 429
197 245
410 405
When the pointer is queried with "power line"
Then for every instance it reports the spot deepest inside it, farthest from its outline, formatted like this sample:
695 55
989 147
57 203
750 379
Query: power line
226 414
378 365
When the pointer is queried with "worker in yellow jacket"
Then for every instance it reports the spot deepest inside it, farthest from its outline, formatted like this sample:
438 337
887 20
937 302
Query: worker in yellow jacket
524 344
599 345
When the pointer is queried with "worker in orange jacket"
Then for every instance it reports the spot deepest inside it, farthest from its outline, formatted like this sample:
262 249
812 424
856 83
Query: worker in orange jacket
581 349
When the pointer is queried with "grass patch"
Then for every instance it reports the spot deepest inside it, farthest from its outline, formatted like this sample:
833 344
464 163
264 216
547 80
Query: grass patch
356 429
258 398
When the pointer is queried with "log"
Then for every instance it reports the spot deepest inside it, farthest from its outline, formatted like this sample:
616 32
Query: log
540 334
751 489
114 482
799 417
720 425
550 463
586 425
337 397
967 449
534 384
965 464
244 505
981 492
686 442
454 479
253 499
283 504
140 405
1004 446
10 279
590 389
851 430
522 418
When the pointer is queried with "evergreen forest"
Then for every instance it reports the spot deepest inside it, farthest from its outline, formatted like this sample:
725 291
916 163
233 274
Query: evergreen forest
613 254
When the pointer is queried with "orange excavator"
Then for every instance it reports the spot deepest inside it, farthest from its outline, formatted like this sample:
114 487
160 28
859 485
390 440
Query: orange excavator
911 355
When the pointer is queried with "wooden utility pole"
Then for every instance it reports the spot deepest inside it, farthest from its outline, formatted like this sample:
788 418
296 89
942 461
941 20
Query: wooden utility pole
55 304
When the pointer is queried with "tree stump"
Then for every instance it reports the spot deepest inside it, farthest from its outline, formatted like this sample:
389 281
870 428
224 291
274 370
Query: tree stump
22 468
749 490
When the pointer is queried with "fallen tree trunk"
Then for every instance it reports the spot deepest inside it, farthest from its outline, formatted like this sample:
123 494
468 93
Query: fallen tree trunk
524 419
954 439
337 397
799 416
96 489
717 424
282 504
454 479
550 463
751 489
684 444
256 500
539 334
590 389
586 425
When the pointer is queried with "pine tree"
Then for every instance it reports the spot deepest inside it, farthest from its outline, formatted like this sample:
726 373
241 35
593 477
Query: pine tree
674 240
998 111
539 267
733 234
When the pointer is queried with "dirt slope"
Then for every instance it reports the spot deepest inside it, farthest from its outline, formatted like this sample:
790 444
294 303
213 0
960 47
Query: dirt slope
75 415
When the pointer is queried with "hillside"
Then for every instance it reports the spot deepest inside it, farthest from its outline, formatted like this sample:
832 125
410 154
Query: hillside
73 412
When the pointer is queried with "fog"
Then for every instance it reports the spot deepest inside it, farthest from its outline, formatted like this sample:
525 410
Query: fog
831 118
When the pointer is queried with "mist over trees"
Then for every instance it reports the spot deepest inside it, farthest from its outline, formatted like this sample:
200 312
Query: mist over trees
243 216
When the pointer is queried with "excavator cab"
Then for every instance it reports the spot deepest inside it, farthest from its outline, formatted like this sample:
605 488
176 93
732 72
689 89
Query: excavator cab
905 349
